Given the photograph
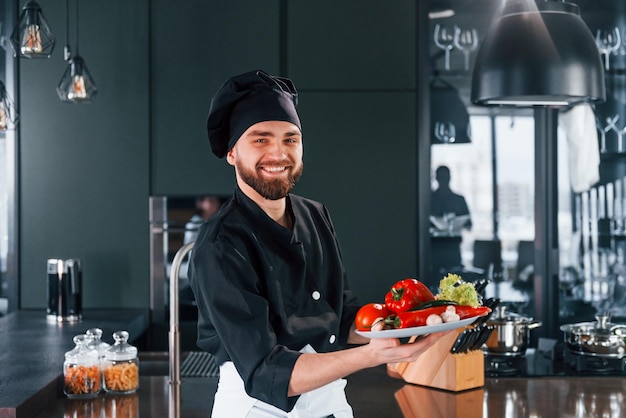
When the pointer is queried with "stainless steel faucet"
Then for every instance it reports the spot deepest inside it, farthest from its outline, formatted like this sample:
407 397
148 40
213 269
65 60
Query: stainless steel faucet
174 334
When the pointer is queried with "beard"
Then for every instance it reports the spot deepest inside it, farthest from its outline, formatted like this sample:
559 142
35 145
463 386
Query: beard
274 189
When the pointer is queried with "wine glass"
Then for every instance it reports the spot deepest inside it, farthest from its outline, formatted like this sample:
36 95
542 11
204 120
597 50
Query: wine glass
611 126
608 41
444 39
445 132
467 41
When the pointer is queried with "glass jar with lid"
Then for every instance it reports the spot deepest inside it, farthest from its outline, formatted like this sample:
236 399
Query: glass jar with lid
94 341
81 370
94 336
121 366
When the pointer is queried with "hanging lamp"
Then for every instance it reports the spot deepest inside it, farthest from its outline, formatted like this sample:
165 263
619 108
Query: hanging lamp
32 37
8 113
538 53
541 55
76 85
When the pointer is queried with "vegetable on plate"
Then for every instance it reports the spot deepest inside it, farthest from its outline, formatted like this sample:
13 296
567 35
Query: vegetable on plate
421 317
453 288
407 294
409 303
369 315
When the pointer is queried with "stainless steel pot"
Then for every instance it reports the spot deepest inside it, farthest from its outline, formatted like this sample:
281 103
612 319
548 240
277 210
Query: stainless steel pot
600 338
511 334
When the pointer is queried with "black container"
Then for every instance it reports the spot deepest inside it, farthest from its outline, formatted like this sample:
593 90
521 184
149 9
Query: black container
64 290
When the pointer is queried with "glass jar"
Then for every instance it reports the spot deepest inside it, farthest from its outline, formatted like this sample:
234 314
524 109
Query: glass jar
94 341
94 336
121 366
81 370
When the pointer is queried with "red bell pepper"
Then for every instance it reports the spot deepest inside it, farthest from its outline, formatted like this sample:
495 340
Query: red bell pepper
464 311
418 318
406 295
414 318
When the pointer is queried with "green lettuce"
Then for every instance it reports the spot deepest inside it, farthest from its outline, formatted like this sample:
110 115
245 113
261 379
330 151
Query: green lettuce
452 287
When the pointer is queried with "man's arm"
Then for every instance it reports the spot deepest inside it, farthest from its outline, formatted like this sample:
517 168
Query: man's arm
312 371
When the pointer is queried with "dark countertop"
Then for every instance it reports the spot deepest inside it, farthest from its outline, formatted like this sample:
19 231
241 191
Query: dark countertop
32 353
31 358
372 393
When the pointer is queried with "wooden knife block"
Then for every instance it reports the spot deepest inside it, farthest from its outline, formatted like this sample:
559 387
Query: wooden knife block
438 368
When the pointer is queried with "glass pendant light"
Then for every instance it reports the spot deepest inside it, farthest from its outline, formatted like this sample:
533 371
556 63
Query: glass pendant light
31 37
538 53
8 114
76 85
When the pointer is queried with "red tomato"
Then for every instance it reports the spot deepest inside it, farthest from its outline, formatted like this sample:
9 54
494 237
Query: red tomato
369 313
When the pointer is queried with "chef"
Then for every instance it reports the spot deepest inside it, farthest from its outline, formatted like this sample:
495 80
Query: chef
267 273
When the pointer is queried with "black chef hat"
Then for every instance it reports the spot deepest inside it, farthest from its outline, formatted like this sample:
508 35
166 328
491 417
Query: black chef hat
247 99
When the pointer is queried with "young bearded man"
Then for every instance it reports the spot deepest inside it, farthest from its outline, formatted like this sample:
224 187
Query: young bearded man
267 273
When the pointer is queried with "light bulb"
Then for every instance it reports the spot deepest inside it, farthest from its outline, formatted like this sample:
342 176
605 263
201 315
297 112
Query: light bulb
31 41
77 89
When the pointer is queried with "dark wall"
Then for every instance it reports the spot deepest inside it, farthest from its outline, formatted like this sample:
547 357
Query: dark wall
87 170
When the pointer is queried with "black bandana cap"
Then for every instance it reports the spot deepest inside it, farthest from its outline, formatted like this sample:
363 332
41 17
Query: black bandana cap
247 99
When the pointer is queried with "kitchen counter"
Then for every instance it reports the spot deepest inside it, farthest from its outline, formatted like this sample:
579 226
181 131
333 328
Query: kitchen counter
372 393
32 353
31 383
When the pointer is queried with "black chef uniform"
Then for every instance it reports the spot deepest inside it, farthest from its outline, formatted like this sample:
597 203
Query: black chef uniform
264 292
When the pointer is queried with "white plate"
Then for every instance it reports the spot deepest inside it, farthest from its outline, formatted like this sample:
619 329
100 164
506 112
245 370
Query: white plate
409 332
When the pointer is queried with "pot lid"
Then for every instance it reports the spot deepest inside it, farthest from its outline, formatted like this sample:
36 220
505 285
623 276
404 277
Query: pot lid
599 328
502 316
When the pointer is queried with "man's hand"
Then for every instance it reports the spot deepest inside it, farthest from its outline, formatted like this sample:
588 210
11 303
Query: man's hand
312 371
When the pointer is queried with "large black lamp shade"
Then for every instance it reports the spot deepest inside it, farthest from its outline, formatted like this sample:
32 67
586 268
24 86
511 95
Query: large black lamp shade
538 53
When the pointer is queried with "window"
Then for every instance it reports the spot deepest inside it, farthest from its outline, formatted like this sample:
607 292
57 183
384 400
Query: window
474 172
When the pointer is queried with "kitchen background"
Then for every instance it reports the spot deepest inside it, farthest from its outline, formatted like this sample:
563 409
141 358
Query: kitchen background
363 68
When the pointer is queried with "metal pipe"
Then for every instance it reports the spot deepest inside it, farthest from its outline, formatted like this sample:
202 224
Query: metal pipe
174 334
546 279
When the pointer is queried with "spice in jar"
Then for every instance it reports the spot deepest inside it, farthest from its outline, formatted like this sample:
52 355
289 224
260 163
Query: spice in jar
121 366
81 370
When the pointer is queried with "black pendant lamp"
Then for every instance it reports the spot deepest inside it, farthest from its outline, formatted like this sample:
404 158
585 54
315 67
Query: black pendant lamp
32 37
541 55
538 53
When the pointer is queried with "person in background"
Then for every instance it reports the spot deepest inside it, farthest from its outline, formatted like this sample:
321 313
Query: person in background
206 206
274 304
449 207
444 202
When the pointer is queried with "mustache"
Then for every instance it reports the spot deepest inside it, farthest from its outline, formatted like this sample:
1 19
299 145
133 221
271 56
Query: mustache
280 163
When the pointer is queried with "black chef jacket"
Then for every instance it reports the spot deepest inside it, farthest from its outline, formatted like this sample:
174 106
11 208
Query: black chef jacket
264 291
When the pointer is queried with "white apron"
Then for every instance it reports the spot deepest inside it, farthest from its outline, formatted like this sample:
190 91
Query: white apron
232 401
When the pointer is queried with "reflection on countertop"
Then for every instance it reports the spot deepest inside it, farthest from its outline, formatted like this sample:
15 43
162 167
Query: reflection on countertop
150 401
518 397
372 393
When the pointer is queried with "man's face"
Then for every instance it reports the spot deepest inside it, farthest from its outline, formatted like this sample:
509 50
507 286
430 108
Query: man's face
268 158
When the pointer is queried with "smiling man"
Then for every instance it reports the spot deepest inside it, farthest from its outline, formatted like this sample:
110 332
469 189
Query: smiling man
267 272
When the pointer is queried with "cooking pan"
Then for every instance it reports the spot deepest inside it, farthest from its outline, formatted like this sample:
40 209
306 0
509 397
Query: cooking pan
599 338
511 334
